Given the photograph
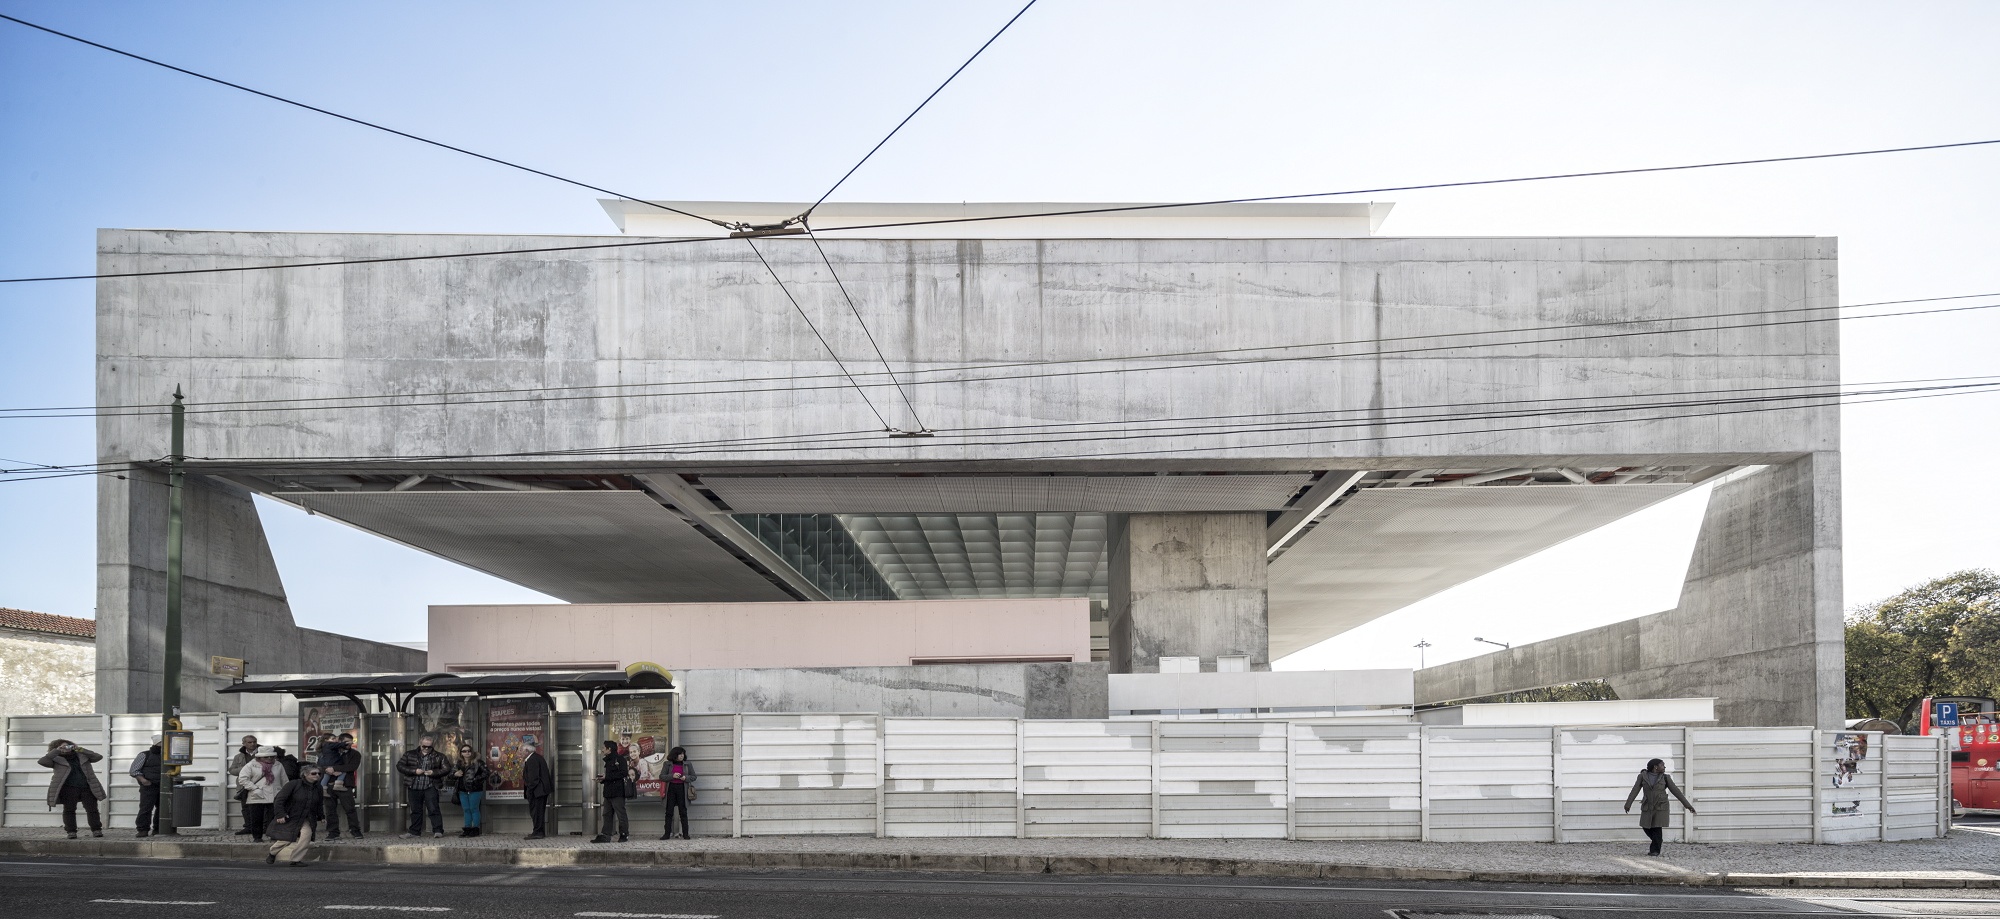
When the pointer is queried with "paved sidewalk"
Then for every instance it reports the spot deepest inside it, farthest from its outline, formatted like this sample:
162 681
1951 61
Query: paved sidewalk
1968 858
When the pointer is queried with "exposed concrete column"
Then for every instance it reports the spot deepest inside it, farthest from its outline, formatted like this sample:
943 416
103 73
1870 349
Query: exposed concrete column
1188 585
233 599
1758 625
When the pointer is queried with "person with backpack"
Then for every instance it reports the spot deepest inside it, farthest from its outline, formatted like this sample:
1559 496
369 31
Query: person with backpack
295 810
679 776
470 774
145 770
74 783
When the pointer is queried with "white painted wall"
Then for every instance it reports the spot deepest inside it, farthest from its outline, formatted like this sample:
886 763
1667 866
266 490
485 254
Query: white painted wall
1297 689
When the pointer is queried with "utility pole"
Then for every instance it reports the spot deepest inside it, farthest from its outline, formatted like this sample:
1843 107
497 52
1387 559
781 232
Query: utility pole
170 686
1420 646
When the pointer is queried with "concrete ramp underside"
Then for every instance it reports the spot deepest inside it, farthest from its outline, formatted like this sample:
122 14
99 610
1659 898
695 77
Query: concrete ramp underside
580 546
1386 548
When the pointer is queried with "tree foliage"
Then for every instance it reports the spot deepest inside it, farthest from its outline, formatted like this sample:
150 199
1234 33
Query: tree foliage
1940 638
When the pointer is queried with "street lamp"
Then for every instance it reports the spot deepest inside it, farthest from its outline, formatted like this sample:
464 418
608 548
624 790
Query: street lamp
1500 644
1420 646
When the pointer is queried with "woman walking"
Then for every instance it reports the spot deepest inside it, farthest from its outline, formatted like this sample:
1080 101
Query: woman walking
1653 815
616 777
74 783
296 808
470 773
679 776
259 781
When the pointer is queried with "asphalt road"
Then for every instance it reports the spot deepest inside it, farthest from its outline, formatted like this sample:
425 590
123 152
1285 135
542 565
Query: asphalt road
156 888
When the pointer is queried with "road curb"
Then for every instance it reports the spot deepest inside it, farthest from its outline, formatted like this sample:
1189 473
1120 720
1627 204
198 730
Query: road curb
1166 865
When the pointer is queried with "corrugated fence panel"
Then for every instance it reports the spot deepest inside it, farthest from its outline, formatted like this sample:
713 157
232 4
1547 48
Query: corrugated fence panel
131 735
28 738
1850 786
1490 784
1752 784
1087 778
1915 786
711 747
1223 779
805 775
1356 781
1597 767
949 777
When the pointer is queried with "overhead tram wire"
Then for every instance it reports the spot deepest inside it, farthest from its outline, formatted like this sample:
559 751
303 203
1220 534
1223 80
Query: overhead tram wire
922 428
1059 213
837 362
261 406
353 120
804 217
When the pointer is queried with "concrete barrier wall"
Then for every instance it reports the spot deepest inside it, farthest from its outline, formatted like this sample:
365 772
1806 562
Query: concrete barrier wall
867 775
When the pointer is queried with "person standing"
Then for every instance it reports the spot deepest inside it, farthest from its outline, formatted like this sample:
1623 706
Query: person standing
290 762
679 775
260 781
538 785
145 770
470 774
74 783
296 809
341 782
615 777
1654 818
246 752
423 770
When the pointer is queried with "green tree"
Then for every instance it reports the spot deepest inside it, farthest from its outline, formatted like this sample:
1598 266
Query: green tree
1940 638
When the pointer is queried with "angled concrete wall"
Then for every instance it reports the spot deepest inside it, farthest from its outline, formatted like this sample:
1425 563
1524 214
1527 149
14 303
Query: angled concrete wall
232 601
1758 625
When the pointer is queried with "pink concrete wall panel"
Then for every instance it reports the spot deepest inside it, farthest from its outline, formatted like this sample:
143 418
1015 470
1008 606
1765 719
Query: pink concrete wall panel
702 636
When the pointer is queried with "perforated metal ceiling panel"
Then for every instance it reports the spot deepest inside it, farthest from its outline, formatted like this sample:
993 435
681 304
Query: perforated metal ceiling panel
1004 494
581 546
1386 548
954 556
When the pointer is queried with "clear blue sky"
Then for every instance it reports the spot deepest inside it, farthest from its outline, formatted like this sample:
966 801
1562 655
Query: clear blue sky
1081 101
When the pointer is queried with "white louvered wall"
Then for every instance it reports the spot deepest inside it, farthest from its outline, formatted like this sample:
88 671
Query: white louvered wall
1087 778
711 748
1598 767
950 777
1356 781
1752 784
1222 779
1489 784
1917 788
809 775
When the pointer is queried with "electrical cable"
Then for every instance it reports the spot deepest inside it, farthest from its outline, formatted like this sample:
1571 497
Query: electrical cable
1237 363
886 368
802 218
1060 213
815 330
353 120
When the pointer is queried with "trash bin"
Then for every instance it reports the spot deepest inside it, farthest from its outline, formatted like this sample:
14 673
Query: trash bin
187 804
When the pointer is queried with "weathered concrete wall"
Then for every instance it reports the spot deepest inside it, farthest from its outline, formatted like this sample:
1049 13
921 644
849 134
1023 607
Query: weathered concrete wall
933 690
707 310
43 674
232 601
1188 585
1758 625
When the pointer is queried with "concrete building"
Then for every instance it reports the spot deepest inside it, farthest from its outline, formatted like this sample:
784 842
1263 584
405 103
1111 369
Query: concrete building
1238 434
47 663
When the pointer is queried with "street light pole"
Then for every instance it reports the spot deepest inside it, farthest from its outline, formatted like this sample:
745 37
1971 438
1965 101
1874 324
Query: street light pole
1420 646
170 684
1497 644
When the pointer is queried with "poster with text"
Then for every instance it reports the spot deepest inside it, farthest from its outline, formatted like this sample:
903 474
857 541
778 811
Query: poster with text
316 718
447 720
642 726
510 725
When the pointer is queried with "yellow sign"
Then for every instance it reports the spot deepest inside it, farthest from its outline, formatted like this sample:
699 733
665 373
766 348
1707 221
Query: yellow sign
649 667
230 667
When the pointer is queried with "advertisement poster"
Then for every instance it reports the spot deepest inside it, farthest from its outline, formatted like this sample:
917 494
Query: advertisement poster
316 718
1850 751
642 725
448 720
510 725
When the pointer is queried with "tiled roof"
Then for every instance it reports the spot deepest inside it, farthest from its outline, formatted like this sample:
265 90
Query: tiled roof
44 622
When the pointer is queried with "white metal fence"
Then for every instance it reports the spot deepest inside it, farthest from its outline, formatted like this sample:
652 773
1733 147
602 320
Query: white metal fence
868 775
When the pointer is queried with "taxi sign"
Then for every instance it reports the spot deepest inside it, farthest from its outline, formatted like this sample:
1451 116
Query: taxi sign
1947 714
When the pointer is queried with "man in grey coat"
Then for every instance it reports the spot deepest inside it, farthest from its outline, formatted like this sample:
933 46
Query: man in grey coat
1655 783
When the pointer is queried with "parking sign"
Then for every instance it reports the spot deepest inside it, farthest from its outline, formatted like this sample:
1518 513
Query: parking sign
1947 714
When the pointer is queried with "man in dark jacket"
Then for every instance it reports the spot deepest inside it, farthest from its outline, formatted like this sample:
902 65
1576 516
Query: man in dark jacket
294 813
145 770
423 769
341 780
73 783
538 785
290 762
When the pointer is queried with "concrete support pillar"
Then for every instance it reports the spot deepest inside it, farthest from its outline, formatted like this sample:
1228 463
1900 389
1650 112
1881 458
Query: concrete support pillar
1188 585
233 601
